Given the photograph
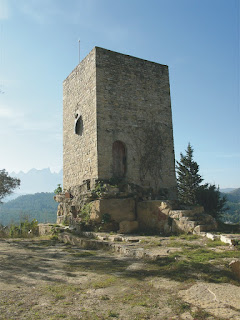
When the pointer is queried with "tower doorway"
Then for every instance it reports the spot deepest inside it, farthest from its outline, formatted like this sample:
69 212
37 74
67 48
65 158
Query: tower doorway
119 159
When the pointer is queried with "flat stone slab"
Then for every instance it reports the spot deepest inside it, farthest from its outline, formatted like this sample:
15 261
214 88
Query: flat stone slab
231 239
221 300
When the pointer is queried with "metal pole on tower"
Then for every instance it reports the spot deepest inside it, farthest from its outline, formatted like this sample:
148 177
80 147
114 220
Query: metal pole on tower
78 51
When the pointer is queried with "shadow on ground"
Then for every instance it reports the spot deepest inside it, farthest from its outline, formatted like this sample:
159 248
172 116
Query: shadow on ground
46 260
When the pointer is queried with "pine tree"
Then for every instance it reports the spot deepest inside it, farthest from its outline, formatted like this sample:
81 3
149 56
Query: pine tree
188 178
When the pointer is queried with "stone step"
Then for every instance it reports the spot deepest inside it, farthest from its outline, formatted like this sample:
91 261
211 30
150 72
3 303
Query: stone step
177 214
193 221
196 219
200 218
203 228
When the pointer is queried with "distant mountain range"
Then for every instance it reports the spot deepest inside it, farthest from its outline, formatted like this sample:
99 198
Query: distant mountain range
233 196
39 206
232 214
35 181
227 190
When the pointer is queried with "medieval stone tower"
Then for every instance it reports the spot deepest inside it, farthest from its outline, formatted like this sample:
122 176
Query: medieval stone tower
117 122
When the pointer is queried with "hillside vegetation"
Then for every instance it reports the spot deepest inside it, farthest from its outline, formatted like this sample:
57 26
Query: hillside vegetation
233 203
39 206
233 196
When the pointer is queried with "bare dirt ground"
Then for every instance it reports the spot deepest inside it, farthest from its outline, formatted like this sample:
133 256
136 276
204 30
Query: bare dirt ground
46 279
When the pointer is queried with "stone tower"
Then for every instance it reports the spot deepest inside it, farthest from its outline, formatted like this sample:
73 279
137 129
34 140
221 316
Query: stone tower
117 122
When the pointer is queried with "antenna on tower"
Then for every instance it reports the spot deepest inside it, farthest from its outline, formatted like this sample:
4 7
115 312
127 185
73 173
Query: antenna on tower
78 51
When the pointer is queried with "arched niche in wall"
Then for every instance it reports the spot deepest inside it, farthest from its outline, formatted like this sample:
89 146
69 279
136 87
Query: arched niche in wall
78 128
119 159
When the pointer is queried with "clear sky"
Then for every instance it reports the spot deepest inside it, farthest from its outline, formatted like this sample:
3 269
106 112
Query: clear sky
197 39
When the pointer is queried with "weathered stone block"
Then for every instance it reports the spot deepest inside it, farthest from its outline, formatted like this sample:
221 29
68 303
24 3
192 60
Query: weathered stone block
212 236
67 195
168 205
235 267
118 209
150 216
59 197
203 228
128 226
186 213
230 239
44 229
183 226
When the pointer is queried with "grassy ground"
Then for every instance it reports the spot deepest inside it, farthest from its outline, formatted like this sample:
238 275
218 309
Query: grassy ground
45 279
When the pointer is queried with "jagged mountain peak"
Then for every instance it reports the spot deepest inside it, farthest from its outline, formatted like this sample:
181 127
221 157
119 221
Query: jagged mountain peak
38 180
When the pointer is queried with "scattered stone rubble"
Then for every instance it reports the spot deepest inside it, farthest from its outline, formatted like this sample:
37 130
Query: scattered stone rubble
231 239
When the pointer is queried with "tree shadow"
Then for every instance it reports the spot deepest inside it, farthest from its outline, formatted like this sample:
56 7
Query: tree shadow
29 261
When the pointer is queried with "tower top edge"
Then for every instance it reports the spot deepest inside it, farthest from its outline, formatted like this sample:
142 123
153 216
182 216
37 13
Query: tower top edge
97 49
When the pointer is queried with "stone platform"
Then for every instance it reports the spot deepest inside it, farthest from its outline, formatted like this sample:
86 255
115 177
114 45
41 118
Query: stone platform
131 214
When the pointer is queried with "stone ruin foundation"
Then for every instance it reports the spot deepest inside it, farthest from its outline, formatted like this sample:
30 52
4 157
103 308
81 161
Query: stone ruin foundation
127 208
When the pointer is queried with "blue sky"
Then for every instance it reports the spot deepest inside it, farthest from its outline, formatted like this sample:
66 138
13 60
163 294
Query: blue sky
197 39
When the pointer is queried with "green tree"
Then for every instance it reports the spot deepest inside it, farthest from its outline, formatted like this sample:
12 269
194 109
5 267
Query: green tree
58 190
210 198
190 190
7 184
188 178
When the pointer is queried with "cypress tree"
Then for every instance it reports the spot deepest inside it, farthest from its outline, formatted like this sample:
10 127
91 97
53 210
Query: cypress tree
188 178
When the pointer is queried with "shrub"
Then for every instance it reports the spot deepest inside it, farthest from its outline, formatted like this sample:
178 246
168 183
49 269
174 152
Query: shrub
26 229
58 190
85 214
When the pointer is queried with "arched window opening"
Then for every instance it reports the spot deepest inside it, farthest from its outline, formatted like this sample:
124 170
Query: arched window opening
78 125
119 159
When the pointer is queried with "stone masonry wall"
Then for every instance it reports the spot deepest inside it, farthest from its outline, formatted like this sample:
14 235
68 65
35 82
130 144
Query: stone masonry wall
120 98
133 98
80 151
